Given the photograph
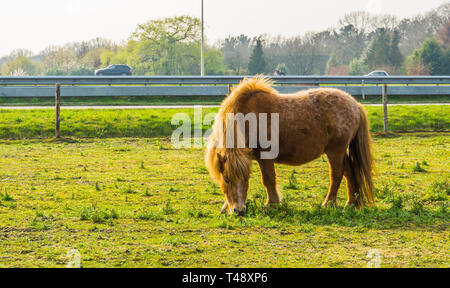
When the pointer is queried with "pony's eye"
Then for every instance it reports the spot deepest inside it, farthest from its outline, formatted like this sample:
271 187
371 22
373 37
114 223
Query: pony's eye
226 180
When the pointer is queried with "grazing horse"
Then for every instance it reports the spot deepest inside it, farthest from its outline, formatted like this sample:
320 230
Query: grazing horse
309 123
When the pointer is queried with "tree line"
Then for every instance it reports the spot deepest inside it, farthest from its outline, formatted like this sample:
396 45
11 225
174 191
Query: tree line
360 42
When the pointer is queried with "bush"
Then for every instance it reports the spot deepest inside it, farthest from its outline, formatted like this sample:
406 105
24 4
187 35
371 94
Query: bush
357 67
430 57
438 191
97 215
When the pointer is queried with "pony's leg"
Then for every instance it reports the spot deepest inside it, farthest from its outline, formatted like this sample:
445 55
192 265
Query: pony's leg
352 198
267 167
336 163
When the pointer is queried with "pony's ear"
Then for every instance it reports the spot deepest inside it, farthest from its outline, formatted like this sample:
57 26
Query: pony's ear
230 89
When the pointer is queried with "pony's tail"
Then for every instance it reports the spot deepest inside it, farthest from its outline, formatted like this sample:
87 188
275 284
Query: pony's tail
361 162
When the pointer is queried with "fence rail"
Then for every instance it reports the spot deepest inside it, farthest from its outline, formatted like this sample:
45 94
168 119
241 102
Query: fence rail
81 86
142 80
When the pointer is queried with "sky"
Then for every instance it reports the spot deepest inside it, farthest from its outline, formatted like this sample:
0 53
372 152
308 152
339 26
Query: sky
35 25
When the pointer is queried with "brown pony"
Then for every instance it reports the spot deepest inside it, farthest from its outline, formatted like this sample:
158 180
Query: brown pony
311 123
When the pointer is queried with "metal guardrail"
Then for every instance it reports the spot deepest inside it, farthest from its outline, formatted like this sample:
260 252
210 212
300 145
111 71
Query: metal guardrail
81 86
142 80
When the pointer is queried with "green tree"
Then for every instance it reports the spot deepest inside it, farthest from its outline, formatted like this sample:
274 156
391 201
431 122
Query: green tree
414 65
395 56
19 66
166 46
377 51
282 68
431 58
432 55
214 62
106 57
171 30
236 51
257 64
332 62
169 46
382 51
92 58
350 42
358 67
60 61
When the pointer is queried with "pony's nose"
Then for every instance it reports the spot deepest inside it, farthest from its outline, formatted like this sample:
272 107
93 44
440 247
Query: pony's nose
240 213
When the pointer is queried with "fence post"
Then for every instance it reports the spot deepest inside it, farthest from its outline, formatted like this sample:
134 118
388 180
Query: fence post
363 91
385 111
58 108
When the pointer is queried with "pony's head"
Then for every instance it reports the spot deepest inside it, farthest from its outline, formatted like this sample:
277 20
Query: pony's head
231 169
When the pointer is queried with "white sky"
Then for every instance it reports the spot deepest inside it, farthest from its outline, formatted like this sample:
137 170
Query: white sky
36 24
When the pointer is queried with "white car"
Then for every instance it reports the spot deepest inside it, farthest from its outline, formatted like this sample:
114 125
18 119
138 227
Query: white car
378 73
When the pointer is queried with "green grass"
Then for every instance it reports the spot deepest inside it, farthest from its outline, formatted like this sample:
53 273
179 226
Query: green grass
183 100
405 99
105 101
23 124
93 195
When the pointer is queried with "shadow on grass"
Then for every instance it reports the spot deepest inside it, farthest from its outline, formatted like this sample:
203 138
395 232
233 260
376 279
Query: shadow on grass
368 217
61 140
416 133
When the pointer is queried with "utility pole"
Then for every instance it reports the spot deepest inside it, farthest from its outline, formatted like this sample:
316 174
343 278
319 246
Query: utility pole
202 60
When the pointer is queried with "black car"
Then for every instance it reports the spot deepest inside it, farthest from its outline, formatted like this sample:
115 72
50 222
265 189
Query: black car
114 70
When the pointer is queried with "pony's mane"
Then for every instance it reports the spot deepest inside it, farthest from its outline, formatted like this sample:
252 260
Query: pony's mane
238 160
246 89
211 159
237 164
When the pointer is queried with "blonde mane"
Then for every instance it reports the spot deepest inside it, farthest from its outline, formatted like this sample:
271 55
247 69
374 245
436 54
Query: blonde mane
247 88
237 162
313 122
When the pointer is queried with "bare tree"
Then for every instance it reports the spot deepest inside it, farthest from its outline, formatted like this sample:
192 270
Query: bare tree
444 35
362 21
415 30
386 21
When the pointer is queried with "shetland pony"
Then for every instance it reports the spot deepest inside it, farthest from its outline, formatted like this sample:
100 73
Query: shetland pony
310 123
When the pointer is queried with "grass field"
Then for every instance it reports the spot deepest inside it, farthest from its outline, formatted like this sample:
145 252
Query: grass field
22 124
128 202
105 101
184 100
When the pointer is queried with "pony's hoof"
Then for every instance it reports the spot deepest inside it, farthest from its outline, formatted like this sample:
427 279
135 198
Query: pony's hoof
271 204
356 206
329 204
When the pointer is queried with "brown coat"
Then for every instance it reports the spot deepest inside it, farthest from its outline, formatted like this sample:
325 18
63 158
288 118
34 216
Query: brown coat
311 123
